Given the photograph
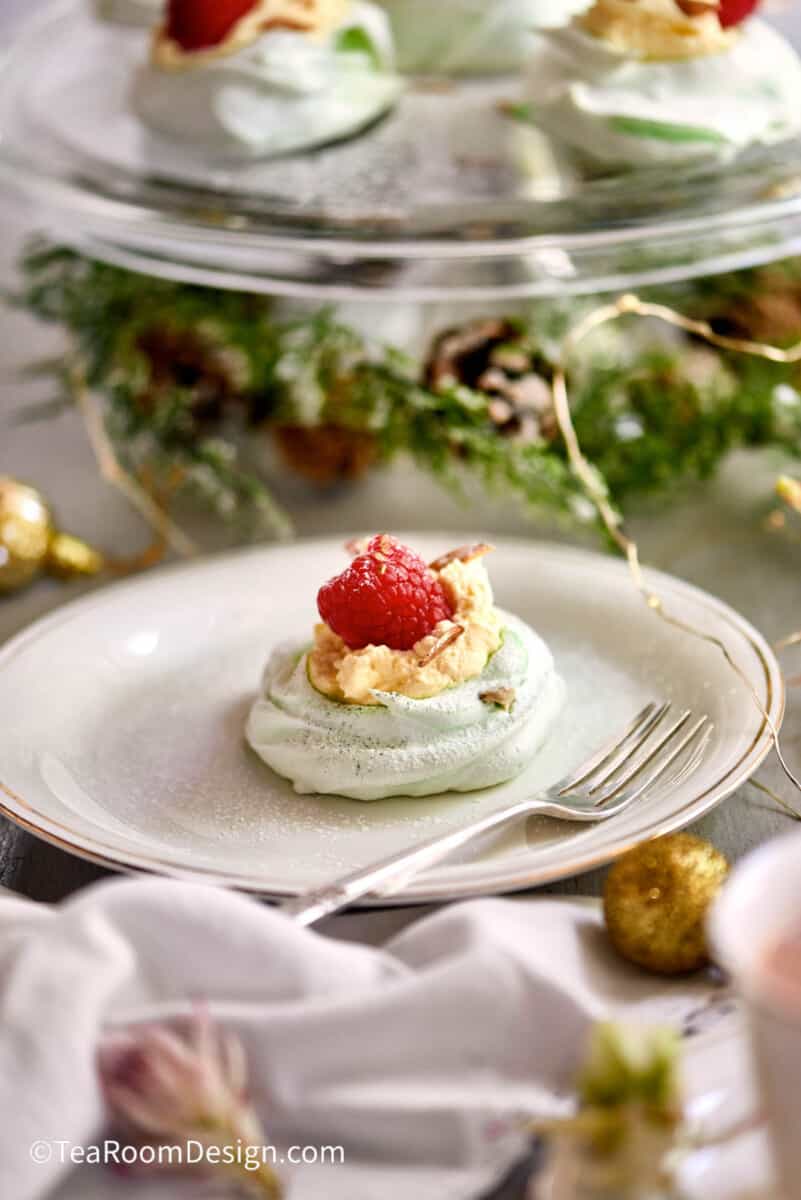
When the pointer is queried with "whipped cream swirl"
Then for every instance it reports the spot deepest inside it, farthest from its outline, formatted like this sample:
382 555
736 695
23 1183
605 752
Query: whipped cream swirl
615 108
453 742
284 92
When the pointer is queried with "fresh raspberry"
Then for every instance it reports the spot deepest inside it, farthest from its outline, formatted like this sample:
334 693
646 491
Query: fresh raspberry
203 24
733 12
386 597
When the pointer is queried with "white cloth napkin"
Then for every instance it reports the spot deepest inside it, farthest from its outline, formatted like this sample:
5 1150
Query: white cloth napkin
407 1055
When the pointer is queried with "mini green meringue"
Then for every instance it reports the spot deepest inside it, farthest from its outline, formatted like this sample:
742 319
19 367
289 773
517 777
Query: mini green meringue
455 741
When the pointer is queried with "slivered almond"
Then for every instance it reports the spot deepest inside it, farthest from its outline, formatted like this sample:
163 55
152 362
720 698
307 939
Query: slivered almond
442 643
356 546
464 554
503 697
698 8
384 548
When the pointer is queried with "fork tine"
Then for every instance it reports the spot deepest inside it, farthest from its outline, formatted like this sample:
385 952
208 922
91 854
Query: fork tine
593 765
615 760
692 760
661 764
630 767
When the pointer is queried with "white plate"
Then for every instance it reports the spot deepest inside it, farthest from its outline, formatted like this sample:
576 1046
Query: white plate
122 719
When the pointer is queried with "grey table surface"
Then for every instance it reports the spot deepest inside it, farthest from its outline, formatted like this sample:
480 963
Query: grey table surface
713 536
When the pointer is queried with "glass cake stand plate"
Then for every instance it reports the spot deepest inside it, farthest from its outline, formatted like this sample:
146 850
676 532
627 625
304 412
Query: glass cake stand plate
446 198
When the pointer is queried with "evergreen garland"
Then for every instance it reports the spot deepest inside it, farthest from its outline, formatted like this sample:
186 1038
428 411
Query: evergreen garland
190 376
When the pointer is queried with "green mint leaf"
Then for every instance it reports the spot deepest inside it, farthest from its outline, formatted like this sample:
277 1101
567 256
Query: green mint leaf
356 40
664 131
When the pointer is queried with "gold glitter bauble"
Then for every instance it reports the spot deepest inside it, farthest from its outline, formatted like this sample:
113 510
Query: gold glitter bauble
656 900
26 529
30 542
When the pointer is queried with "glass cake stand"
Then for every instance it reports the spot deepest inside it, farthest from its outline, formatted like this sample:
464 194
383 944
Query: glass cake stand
448 198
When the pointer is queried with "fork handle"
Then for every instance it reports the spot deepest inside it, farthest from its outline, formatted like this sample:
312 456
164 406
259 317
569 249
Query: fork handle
311 907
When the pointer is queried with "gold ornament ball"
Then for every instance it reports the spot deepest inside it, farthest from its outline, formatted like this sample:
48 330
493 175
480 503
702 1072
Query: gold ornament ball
69 557
656 901
30 542
26 528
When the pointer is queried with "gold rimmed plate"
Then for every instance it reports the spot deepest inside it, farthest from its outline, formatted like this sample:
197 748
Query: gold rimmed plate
123 717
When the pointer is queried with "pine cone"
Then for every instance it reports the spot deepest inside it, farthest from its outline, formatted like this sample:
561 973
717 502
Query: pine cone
213 376
491 356
326 454
771 313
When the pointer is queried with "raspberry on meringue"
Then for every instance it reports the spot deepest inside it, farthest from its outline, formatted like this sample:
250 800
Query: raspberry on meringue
386 596
455 648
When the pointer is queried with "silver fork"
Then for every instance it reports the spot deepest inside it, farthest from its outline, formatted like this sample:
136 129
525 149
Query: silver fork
615 777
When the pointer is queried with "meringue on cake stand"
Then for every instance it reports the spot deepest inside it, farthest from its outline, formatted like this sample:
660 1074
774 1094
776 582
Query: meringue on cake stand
285 76
633 83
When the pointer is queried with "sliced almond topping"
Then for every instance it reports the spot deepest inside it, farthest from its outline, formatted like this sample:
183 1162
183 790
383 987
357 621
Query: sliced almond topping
697 8
464 554
503 697
385 548
659 30
356 546
442 643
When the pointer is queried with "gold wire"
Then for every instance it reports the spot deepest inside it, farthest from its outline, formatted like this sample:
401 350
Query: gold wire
631 305
112 471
